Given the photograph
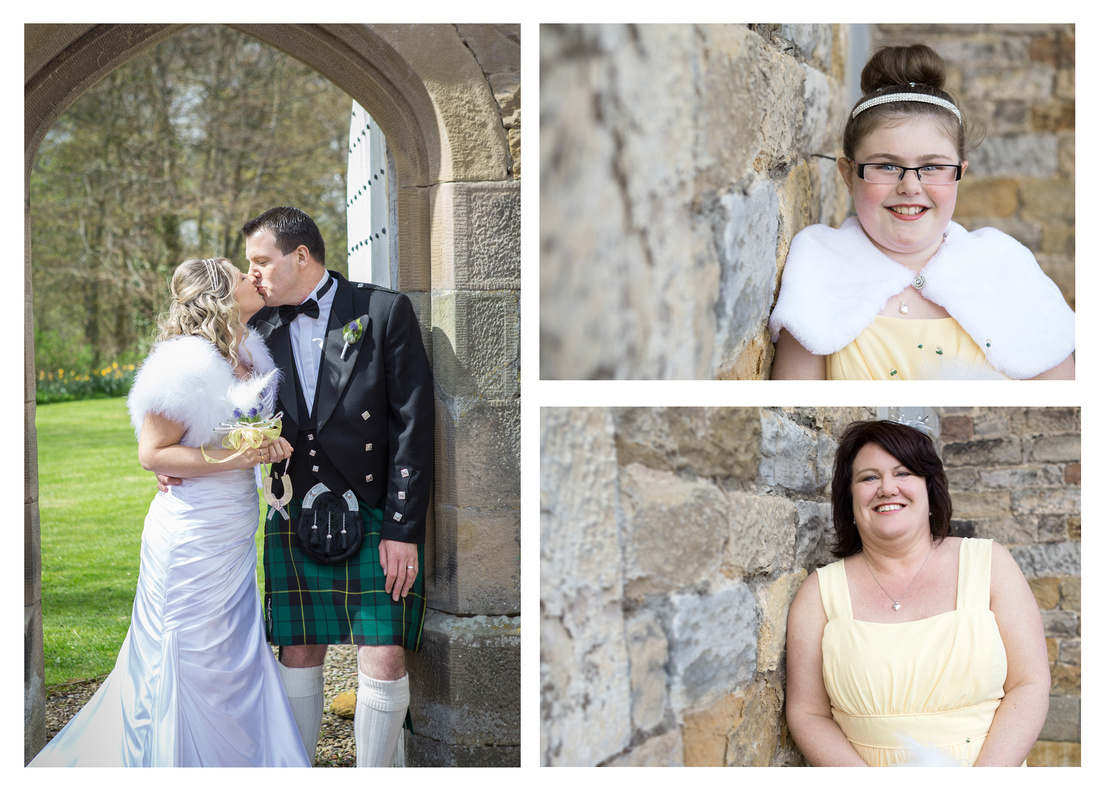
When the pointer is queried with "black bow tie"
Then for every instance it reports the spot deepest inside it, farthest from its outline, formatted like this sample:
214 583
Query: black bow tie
310 308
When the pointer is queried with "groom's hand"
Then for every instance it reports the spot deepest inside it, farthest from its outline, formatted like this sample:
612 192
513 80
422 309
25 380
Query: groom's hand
399 563
165 481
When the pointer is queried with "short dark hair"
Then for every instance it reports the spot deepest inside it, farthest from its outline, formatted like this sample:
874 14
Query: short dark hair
910 447
292 228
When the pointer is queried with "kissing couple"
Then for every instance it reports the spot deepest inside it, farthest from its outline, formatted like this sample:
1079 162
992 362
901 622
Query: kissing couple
290 378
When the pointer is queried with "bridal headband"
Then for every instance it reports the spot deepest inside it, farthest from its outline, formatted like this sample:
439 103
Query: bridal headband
212 272
919 97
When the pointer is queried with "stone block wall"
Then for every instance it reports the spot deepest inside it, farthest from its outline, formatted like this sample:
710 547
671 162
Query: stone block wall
675 167
1020 80
673 540
466 707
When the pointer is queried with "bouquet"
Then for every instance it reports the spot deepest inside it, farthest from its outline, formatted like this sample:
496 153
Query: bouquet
248 431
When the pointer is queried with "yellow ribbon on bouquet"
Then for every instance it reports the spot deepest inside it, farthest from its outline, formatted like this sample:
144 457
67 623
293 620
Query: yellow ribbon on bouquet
243 435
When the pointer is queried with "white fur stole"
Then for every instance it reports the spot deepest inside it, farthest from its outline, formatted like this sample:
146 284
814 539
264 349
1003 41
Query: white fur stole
836 281
188 381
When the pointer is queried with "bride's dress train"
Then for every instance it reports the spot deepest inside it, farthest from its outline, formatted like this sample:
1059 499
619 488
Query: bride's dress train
195 683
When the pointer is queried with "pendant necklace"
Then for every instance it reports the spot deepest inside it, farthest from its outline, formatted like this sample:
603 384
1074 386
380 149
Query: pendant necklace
918 283
897 601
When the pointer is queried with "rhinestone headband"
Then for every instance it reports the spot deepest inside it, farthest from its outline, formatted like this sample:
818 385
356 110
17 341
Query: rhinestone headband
919 97
919 423
212 273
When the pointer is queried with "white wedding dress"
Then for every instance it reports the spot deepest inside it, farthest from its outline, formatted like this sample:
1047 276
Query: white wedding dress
195 683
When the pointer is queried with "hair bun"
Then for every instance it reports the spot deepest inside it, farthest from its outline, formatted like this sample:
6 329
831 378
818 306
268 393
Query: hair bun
892 66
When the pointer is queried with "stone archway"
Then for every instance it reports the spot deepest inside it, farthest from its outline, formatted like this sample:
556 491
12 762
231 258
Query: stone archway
431 89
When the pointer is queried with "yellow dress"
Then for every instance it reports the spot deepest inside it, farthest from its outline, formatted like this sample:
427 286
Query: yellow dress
911 349
935 682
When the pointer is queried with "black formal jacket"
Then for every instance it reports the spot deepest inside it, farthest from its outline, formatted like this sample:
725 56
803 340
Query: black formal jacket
374 410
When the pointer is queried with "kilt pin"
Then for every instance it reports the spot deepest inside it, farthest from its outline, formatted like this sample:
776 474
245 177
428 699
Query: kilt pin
371 431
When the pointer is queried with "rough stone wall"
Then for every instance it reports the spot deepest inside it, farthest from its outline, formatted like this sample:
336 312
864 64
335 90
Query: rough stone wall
496 49
1015 476
675 168
1021 81
673 540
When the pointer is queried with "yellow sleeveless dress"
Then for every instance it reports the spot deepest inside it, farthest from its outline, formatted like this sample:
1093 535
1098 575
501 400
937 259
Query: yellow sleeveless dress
935 682
911 349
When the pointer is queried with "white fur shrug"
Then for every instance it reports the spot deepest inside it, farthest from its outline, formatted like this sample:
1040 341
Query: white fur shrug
188 381
835 281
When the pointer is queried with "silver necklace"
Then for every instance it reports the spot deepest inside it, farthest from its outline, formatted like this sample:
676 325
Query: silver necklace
918 283
897 601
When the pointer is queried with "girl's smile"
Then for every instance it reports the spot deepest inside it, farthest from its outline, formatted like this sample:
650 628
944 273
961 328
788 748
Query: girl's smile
908 213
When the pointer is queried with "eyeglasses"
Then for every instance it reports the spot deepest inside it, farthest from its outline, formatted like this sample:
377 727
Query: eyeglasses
883 173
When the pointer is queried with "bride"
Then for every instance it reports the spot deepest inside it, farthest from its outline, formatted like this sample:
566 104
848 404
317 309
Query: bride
195 683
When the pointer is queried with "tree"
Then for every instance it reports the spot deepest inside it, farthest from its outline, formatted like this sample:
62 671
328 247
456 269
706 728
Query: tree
163 160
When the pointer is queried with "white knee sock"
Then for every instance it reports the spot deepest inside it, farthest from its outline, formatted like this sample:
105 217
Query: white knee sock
305 689
379 715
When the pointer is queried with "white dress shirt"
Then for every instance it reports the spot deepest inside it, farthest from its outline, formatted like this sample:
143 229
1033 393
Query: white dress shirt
307 340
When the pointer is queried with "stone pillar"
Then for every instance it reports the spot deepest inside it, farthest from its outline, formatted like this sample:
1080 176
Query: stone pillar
466 708
467 714
34 673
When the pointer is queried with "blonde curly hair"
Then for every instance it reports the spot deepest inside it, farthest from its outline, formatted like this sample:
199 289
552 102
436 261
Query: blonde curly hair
204 303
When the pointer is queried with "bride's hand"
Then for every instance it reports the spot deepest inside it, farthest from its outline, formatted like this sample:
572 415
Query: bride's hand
272 452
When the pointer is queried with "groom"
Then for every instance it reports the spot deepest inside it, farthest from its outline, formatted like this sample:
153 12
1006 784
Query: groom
357 403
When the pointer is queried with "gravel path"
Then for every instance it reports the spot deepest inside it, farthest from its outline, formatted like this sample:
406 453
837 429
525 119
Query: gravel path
335 746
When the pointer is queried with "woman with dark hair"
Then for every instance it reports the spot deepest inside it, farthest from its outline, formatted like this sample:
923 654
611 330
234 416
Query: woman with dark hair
914 450
915 647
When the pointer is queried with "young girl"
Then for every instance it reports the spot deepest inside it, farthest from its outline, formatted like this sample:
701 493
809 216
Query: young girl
900 291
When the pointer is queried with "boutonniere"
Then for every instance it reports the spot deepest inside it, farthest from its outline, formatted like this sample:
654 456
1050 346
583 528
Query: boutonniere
353 331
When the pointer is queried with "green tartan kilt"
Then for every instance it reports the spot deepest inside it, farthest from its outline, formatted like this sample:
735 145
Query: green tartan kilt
307 603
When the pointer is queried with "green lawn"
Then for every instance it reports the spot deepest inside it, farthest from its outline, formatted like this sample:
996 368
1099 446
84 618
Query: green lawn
93 497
